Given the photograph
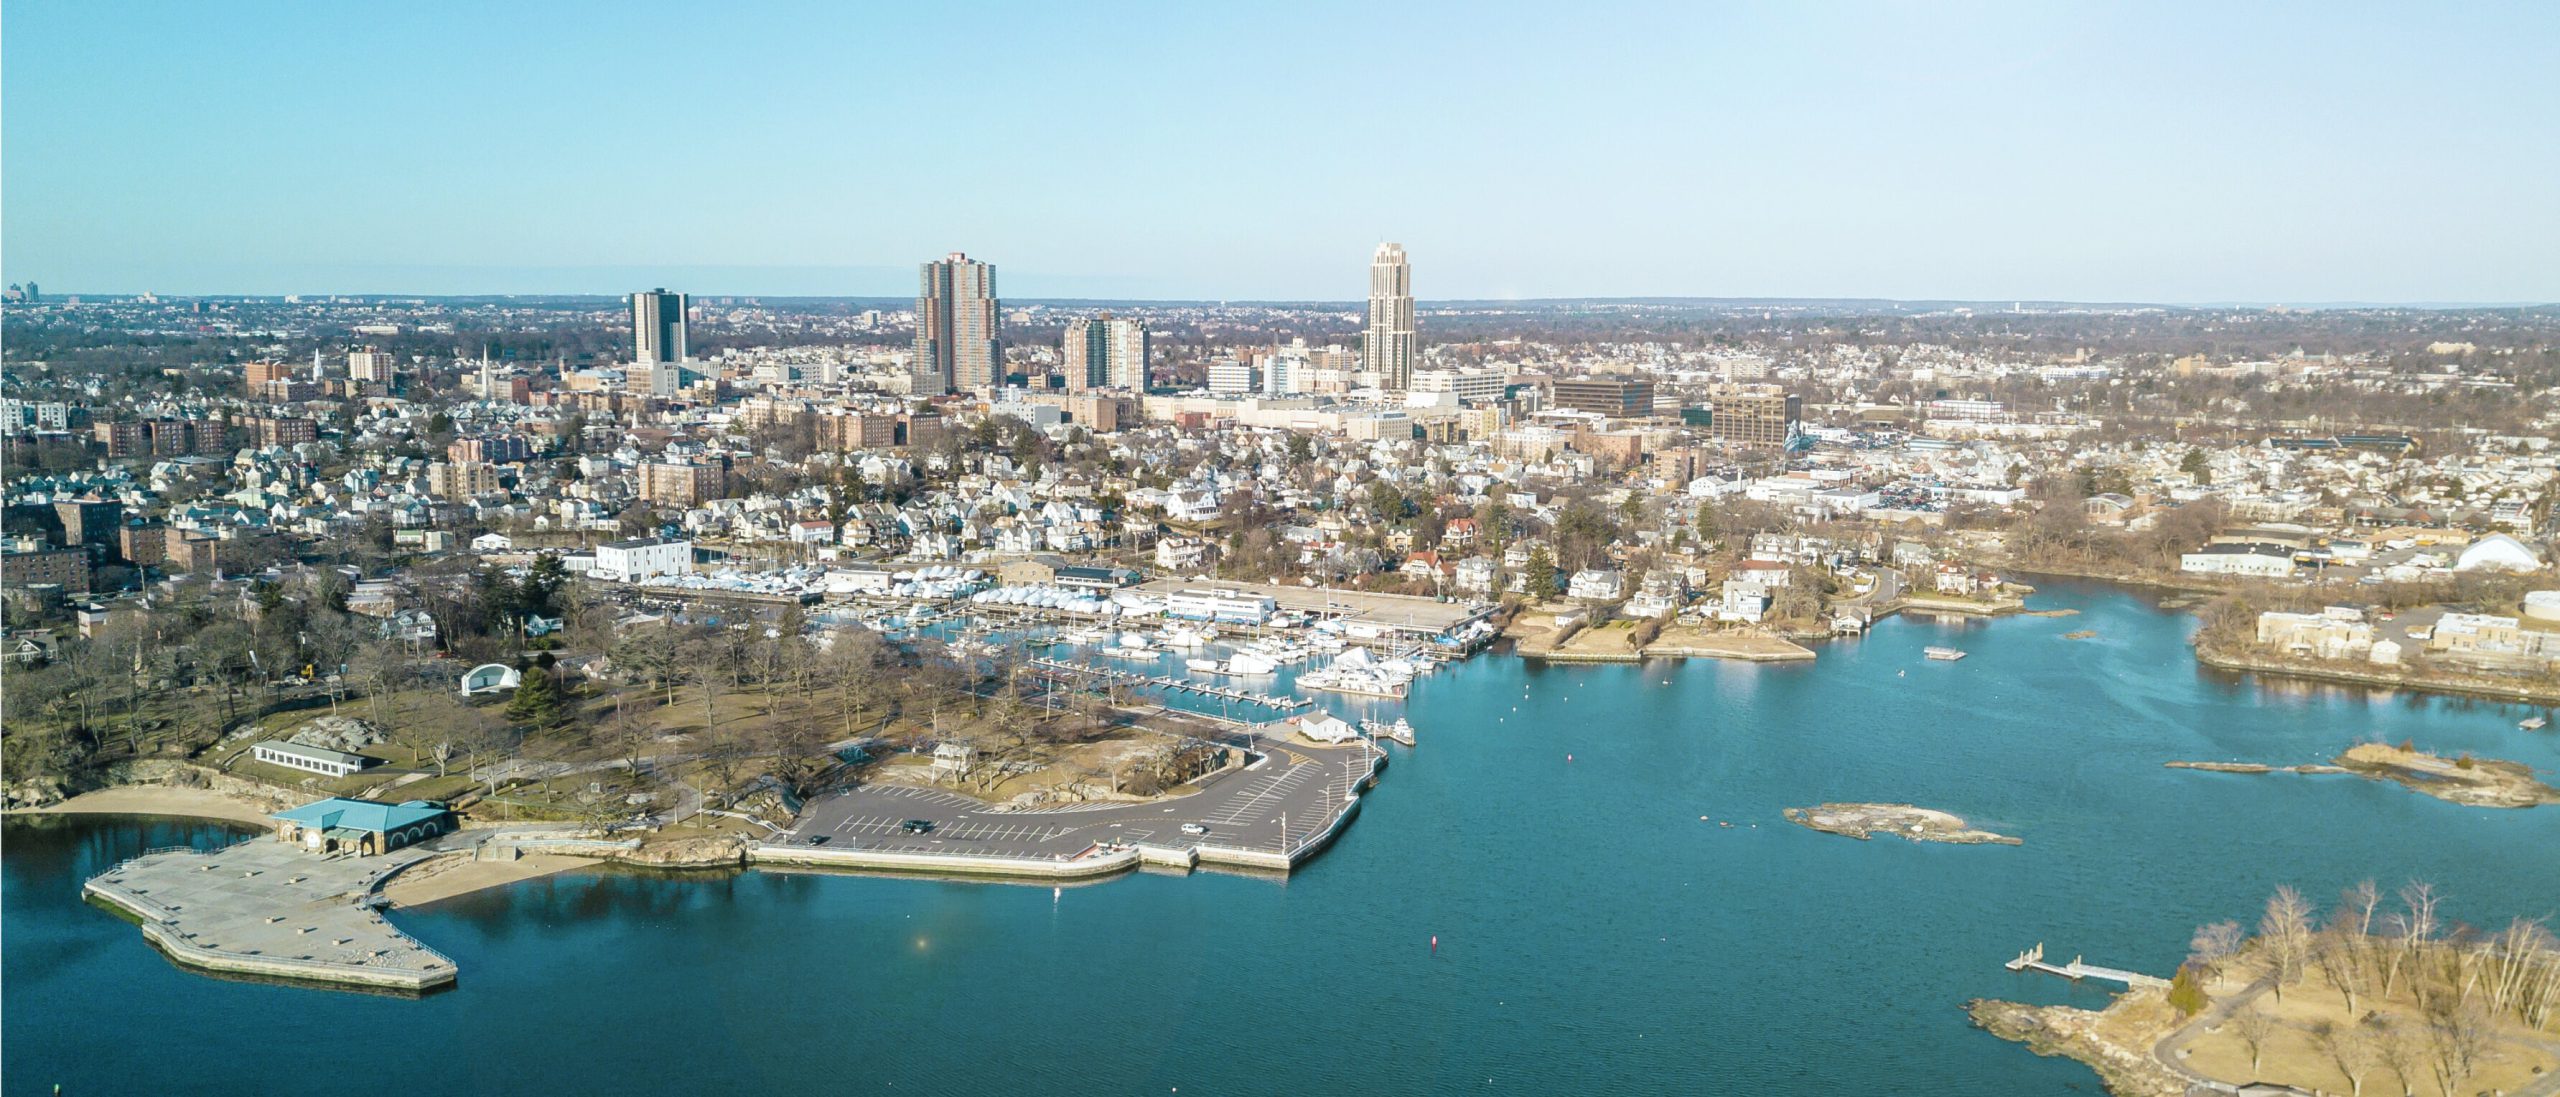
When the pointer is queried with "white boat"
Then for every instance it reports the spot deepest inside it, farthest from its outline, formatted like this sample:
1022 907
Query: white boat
1125 652
2533 723
1354 681
1400 731
1947 655
1183 638
1136 640
1246 662
1206 666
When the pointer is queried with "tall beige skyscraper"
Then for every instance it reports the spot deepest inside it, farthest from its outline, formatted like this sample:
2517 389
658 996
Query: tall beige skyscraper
958 343
658 327
1106 352
1388 346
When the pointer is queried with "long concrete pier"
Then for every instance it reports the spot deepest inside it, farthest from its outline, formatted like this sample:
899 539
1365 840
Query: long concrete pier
264 908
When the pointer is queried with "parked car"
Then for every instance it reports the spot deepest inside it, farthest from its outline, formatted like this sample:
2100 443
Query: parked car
917 826
1194 828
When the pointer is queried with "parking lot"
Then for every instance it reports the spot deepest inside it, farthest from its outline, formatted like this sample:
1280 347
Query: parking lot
1300 787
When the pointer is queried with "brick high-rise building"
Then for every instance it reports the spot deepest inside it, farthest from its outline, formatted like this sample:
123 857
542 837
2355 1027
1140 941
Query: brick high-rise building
277 430
683 483
959 340
856 430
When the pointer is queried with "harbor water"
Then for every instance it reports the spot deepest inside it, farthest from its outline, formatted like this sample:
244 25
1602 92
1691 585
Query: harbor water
1594 934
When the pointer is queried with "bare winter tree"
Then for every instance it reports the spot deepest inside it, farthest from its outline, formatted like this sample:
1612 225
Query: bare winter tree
2254 1028
2346 1049
2394 1047
2339 952
2458 1034
2284 937
2214 944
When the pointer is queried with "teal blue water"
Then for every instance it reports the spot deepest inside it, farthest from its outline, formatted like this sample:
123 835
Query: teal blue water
1594 935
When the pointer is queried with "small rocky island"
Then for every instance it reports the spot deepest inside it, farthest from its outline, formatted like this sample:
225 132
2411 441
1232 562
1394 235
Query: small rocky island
2474 782
1919 824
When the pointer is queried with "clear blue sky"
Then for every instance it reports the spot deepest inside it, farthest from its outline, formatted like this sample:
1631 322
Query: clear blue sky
2314 152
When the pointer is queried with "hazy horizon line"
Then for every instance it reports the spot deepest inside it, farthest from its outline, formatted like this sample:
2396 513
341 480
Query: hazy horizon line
1995 304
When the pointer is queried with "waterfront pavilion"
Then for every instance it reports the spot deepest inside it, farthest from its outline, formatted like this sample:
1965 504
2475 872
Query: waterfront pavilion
362 827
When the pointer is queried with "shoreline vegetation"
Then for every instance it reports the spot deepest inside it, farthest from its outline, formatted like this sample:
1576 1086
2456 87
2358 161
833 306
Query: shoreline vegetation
2375 994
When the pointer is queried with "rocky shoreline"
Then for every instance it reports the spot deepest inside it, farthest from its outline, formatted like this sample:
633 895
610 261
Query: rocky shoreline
2078 1034
2472 782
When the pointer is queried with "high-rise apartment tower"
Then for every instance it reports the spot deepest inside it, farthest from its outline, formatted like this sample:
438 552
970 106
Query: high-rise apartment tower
657 327
958 342
1106 352
1388 345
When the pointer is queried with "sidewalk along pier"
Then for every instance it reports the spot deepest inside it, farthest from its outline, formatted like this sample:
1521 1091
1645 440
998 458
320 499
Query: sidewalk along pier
265 908
2033 960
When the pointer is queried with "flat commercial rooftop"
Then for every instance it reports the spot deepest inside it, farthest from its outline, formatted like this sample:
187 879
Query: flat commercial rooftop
1403 612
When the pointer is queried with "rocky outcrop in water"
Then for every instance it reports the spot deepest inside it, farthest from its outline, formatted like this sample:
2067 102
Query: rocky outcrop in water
1919 824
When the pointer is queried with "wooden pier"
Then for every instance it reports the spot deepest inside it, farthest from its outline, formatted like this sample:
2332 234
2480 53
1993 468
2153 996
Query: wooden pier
2033 960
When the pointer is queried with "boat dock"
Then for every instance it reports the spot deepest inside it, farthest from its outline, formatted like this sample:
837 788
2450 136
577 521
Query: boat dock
1399 731
2033 960
1082 675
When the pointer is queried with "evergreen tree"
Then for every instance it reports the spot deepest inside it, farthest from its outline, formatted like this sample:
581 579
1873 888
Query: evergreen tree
539 700
1542 573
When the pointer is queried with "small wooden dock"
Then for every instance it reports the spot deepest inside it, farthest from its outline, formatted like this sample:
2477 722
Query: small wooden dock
2033 960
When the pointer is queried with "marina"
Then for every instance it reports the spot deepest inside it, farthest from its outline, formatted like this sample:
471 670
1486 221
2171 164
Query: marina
1081 675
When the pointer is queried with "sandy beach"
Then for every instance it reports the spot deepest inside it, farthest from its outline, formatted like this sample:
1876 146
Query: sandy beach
160 800
460 876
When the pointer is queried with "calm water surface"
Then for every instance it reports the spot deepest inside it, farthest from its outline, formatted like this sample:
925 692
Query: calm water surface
1595 936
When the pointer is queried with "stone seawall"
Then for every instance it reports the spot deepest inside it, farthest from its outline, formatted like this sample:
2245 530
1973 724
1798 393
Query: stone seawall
942 864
